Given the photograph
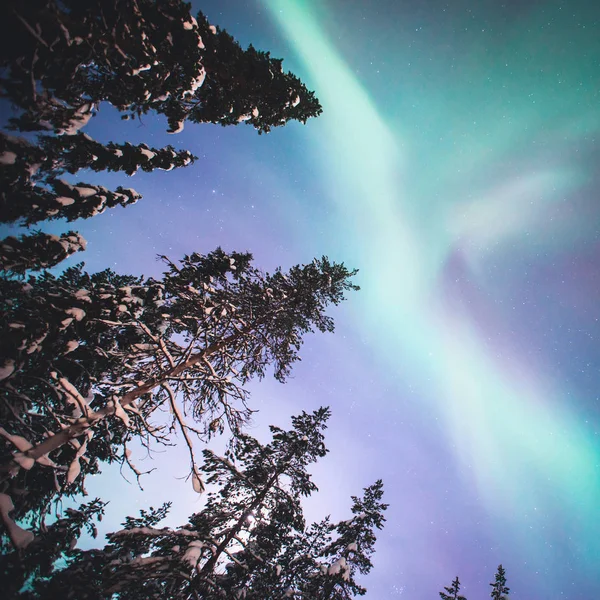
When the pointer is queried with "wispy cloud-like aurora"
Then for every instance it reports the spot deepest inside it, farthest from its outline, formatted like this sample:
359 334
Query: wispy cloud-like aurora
430 236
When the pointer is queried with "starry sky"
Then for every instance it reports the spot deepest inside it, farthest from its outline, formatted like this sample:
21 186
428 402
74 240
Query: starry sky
456 165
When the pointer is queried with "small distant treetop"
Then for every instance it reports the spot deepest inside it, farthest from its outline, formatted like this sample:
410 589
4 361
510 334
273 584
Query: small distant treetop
452 592
499 589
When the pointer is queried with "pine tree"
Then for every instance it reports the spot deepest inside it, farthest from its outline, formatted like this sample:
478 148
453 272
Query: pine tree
89 358
249 541
452 592
60 60
140 56
499 589
37 251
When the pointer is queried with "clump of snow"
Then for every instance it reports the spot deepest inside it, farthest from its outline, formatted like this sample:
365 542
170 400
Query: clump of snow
197 482
8 158
7 369
85 191
339 567
213 29
189 25
76 313
296 101
140 69
74 470
120 412
65 323
65 200
193 552
18 536
147 153
71 345
83 295
178 128
196 83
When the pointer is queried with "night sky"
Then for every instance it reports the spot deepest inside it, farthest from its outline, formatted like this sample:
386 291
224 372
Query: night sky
456 166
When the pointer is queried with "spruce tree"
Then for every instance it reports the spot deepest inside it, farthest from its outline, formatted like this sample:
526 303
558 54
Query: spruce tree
249 541
60 60
326 567
499 589
89 358
140 56
452 592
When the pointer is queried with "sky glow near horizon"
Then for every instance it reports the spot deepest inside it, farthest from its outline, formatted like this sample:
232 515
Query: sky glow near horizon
456 165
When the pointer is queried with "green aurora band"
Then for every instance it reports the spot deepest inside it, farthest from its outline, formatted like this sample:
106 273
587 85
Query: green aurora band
477 156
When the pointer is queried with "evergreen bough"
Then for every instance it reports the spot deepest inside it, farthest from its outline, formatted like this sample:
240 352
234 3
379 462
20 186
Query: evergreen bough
88 359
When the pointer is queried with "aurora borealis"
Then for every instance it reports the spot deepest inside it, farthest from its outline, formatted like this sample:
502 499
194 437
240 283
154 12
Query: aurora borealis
456 166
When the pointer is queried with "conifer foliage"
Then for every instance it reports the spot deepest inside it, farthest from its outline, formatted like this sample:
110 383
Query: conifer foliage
89 358
452 592
50 544
249 541
31 187
64 58
38 251
499 589
60 60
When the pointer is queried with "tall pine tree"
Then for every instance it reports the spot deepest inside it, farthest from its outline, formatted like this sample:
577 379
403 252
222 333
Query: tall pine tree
89 358
140 56
499 589
249 541
60 60
452 592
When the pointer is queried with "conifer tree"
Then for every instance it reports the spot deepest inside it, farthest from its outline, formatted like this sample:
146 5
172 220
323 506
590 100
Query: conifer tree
60 60
140 56
499 589
89 358
249 541
452 592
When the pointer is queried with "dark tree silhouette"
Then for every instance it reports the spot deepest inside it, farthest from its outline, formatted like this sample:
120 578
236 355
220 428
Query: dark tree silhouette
89 358
62 59
249 540
499 589
452 592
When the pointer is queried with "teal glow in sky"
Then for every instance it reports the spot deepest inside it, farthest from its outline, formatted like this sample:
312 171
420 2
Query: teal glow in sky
434 200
